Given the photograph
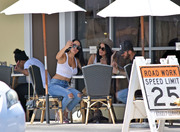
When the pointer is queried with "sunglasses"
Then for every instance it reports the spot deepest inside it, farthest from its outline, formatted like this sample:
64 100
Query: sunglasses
76 46
102 48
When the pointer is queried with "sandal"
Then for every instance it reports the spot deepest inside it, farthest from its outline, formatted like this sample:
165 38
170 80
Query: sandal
66 121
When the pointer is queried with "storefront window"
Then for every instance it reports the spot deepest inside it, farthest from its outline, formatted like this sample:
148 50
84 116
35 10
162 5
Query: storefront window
90 28
126 28
129 28
167 28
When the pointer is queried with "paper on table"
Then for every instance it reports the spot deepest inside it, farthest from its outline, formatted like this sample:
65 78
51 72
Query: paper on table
93 49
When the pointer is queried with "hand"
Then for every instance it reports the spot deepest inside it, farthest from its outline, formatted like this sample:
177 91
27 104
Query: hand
115 70
17 67
69 44
114 64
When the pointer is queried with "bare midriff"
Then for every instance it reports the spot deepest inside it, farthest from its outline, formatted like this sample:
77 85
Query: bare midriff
57 76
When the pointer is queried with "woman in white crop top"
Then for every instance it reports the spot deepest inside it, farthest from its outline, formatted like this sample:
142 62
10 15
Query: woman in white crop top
69 59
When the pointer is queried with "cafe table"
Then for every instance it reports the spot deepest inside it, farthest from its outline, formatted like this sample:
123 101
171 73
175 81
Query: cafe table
113 77
15 78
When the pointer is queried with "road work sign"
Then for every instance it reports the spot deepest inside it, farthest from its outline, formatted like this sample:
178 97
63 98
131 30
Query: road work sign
162 86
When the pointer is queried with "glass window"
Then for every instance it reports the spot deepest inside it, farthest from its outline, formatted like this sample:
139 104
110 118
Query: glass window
167 28
91 28
126 28
129 28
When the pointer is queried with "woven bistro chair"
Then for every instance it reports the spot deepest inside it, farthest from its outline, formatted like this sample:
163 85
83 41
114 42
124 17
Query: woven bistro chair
97 78
127 69
40 98
5 74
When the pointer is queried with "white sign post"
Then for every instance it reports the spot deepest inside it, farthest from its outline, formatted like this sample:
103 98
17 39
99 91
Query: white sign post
160 86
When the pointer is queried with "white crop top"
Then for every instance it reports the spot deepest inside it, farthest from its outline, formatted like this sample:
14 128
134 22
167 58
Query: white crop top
65 70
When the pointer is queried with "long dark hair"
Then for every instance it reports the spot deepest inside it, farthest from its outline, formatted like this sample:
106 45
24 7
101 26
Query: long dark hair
108 54
80 55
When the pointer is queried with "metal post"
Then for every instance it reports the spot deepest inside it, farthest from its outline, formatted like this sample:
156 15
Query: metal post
46 73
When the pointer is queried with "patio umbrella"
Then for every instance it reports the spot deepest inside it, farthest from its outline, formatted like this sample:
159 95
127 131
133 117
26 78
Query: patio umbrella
45 7
135 8
176 1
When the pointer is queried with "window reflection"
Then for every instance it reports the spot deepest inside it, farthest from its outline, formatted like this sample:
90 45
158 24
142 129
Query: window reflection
126 28
167 28
90 28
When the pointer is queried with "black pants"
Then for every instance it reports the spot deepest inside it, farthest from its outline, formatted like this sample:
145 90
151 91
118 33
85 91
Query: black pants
22 91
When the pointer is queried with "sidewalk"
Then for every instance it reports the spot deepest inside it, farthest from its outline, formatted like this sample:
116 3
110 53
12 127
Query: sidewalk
91 127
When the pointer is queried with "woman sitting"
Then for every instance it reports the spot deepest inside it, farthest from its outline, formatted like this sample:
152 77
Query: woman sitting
68 59
104 53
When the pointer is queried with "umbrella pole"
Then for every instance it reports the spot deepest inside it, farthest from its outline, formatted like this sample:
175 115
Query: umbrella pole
46 73
142 34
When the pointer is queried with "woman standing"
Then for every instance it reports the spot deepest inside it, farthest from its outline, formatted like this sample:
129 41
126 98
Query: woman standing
68 60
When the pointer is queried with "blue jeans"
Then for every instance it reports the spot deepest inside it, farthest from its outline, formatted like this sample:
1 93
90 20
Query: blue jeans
61 88
122 95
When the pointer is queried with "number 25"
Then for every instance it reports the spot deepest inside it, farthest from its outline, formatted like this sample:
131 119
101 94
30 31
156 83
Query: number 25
161 94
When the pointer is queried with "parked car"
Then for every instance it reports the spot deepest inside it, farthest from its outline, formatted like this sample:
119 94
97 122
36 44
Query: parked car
12 115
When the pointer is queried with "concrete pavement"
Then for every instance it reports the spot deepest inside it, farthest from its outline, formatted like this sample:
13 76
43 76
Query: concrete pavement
91 127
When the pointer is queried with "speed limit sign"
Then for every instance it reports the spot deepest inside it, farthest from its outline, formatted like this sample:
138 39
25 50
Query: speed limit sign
161 86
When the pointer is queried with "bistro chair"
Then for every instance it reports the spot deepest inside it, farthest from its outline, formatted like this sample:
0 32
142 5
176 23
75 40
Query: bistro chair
40 98
3 63
97 78
5 74
127 69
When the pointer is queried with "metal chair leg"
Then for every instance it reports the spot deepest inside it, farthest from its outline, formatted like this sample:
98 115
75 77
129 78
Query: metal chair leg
110 110
43 111
33 116
88 107
82 108
60 112
71 118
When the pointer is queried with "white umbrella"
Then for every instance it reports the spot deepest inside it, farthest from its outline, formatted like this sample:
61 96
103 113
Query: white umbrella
41 6
45 7
134 8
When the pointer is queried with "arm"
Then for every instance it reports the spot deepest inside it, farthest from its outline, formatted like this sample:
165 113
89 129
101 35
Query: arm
116 68
114 64
25 72
112 58
91 59
19 69
60 54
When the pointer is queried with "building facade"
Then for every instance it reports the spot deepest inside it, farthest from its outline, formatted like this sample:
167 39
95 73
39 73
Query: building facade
90 29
